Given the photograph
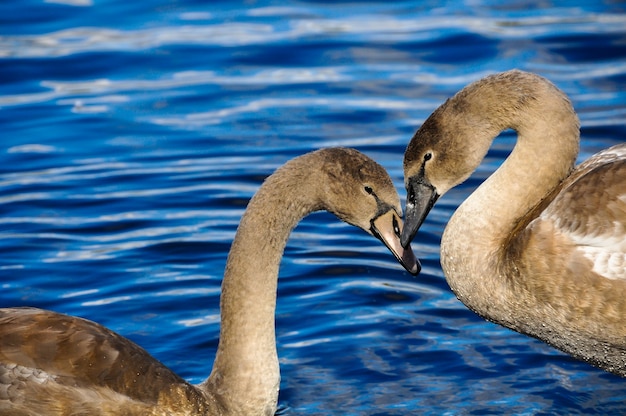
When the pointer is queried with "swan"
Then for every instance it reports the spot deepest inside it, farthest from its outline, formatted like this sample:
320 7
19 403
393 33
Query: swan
55 364
540 246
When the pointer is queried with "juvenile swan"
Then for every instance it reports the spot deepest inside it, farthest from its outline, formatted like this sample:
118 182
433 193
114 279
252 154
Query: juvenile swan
539 247
53 364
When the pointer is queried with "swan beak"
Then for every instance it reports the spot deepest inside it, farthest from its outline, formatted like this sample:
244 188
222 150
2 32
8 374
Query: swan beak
386 227
421 196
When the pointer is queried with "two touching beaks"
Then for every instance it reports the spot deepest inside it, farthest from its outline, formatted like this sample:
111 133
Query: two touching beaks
387 228
421 196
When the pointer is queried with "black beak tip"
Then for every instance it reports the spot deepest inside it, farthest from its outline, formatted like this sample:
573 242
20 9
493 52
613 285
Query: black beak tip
404 240
407 235
418 268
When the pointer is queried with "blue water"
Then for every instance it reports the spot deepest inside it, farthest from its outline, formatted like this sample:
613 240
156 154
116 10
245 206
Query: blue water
133 133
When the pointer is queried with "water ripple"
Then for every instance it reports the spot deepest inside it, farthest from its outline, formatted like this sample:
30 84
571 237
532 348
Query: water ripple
134 134
94 39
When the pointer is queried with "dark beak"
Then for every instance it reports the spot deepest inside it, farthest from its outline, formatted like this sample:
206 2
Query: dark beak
387 228
421 196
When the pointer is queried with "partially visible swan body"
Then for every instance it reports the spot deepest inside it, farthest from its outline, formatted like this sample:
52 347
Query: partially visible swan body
54 364
539 247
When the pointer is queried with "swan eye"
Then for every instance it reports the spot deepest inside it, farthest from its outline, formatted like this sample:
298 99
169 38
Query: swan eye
369 189
396 227
428 156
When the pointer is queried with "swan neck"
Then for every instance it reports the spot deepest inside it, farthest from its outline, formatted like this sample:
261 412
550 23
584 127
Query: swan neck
246 365
477 236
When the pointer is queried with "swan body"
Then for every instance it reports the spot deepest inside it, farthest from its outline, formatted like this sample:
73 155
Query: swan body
540 246
54 364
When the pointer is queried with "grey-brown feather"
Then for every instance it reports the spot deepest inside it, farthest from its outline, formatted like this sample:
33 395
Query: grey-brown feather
45 356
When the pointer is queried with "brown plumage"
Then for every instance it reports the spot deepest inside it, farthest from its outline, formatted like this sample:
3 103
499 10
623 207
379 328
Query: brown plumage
54 364
540 246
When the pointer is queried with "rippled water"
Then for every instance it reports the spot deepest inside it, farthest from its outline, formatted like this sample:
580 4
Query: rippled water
134 133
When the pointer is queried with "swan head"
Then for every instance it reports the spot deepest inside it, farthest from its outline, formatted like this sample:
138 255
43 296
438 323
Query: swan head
361 193
440 156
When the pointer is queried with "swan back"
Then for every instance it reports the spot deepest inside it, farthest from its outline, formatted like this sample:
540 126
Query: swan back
54 364
589 210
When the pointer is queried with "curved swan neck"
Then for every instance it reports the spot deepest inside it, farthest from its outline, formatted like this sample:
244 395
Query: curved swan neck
246 363
545 153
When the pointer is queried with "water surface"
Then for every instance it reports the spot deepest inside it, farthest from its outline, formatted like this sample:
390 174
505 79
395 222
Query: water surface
134 133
